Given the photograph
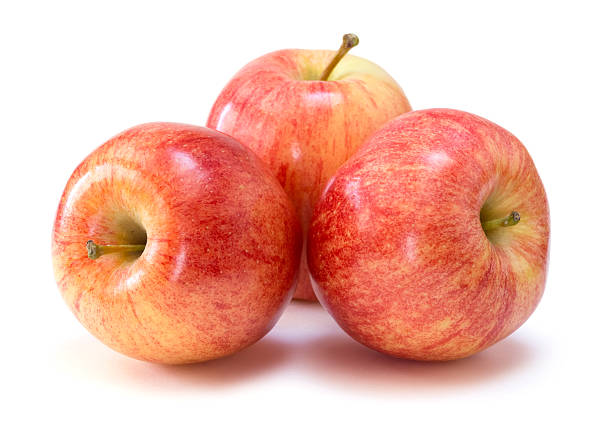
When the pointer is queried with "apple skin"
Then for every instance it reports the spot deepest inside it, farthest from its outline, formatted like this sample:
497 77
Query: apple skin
303 128
223 244
396 248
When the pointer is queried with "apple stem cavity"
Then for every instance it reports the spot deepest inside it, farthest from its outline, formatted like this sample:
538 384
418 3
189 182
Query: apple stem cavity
95 251
503 222
349 41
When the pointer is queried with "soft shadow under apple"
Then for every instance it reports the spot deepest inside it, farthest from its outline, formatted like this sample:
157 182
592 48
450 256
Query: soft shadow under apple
339 360
85 358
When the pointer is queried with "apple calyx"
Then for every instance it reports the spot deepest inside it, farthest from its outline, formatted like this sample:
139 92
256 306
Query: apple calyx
95 251
349 41
503 222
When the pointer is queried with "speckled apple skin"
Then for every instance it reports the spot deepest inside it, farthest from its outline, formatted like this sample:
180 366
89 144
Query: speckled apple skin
304 128
222 249
396 248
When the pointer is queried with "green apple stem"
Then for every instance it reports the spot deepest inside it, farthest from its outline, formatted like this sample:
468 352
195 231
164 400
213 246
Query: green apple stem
349 41
503 222
95 251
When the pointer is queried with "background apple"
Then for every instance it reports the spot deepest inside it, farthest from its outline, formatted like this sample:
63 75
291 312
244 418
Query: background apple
194 245
431 243
305 114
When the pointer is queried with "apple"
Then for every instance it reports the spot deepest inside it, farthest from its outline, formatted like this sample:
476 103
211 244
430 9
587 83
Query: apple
175 244
305 112
431 243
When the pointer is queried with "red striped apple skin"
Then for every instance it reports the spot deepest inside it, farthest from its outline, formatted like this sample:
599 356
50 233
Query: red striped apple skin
303 128
223 244
396 248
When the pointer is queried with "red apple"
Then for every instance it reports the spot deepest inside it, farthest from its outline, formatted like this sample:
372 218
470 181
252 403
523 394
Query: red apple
416 247
305 122
195 246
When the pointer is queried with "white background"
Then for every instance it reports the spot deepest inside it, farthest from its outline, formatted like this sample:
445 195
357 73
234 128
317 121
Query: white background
75 74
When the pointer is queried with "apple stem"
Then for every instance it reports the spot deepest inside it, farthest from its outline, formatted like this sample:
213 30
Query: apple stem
349 41
95 251
503 222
